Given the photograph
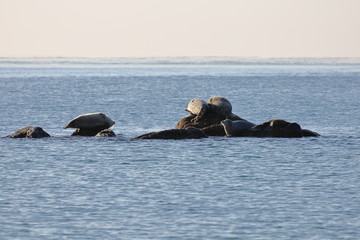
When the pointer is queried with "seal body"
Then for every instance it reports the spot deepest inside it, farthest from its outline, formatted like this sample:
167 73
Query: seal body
239 128
91 121
197 107
220 105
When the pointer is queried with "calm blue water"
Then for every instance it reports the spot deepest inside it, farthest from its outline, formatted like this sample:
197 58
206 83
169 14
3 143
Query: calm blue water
215 188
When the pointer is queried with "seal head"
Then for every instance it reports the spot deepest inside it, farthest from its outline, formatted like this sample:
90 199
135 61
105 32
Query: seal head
197 107
221 105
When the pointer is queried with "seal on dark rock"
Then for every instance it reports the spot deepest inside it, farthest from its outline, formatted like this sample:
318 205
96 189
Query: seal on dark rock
197 107
239 128
210 122
29 132
221 105
187 133
106 133
91 121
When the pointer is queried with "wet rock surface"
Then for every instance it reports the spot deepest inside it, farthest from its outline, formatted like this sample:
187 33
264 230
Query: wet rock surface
187 133
29 132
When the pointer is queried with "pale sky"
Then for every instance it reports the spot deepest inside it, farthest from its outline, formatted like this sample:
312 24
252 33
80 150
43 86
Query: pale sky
135 28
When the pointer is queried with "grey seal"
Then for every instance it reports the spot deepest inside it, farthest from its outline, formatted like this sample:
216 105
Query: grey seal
239 128
221 105
90 121
197 107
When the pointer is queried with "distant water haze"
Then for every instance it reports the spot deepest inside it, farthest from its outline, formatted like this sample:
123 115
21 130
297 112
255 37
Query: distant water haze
137 28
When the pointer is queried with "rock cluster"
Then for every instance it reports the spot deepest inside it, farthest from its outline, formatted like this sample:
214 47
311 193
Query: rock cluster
215 118
211 118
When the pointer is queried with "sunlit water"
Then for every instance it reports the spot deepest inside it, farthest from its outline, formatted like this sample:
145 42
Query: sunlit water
215 188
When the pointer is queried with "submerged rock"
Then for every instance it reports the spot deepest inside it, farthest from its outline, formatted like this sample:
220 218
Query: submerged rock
84 132
29 132
187 133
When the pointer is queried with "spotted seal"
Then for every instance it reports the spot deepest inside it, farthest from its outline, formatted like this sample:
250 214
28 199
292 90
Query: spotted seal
239 128
197 107
91 121
220 105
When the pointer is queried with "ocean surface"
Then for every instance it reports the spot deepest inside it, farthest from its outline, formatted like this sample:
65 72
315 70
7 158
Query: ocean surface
216 188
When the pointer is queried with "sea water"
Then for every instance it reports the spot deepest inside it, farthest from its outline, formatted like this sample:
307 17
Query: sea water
215 188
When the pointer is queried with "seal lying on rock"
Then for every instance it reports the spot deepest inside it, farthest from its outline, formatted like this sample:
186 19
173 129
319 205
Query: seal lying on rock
197 107
220 105
89 124
239 128
187 133
209 121
29 132
90 120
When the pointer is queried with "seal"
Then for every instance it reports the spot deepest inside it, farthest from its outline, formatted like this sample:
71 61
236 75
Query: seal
91 121
197 107
239 128
220 105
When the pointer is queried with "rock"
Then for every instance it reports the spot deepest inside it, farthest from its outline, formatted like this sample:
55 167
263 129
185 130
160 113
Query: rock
106 133
214 130
308 133
84 132
277 128
187 133
29 132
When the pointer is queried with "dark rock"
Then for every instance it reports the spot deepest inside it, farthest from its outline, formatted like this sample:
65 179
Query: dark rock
106 133
85 132
308 133
277 128
187 133
29 132
214 130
